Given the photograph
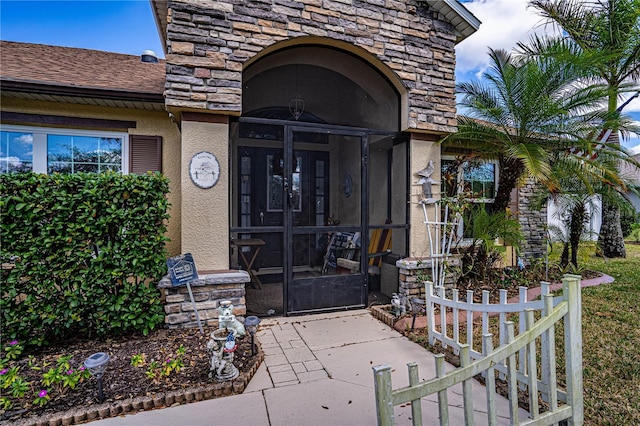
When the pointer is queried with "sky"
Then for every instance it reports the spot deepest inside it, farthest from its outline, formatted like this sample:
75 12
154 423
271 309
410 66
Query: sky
128 26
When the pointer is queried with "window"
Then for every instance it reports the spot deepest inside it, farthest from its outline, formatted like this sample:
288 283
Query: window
71 154
476 180
48 150
16 152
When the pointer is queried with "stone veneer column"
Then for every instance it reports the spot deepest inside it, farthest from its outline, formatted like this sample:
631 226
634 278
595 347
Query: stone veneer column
414 272
205 212
208 291
532 222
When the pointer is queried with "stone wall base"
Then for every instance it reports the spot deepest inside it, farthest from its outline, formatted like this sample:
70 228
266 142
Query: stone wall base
208 291
413 272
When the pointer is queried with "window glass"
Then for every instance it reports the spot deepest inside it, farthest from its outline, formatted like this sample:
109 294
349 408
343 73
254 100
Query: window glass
480 179
72 154
16 152
478 182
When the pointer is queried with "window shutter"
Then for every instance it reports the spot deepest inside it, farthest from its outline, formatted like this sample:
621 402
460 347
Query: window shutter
145 154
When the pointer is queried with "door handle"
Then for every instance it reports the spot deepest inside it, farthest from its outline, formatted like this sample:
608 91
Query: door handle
261 218
288 193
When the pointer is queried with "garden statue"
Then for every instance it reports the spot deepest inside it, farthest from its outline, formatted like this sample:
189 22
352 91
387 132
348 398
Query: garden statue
399 304
426 181
221 347
228 321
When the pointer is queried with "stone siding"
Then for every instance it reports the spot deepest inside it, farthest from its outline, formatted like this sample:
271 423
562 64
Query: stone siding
414 272
533 223
208 43
207 291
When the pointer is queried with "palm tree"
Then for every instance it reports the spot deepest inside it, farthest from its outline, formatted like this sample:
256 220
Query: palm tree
524 110
581 176
602 38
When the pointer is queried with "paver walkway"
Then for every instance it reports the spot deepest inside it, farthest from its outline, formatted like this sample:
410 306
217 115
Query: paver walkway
318 371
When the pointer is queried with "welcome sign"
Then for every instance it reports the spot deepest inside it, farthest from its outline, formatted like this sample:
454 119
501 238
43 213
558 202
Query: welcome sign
182 269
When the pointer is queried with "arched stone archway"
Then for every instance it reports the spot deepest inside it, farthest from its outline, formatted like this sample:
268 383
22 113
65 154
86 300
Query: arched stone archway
334 85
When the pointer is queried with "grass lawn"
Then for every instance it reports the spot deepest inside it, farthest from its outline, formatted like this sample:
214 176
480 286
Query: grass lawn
611 341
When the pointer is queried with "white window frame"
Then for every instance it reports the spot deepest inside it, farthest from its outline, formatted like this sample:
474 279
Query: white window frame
40 142
460 178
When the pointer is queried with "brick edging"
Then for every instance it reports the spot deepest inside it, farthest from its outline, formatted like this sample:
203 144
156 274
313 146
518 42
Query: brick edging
383 313
143 403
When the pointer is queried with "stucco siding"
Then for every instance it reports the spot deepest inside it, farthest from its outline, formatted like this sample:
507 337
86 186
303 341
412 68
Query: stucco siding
154 123
205 212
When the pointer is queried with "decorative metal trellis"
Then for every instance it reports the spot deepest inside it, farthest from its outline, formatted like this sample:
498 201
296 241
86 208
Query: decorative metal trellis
441 231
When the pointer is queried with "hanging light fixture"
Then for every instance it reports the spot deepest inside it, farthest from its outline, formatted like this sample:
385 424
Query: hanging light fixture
296 103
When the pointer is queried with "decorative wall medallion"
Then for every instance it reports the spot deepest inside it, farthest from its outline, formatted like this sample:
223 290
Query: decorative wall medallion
204 170
348 184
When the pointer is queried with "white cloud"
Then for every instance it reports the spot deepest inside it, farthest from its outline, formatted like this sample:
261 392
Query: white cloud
504 24
25 138
633 106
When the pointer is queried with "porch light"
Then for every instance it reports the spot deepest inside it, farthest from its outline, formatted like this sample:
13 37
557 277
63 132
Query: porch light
97 364
296 105
417 305
251 324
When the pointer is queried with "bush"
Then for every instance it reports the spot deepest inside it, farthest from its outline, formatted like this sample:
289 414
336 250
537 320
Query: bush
86 249
628 217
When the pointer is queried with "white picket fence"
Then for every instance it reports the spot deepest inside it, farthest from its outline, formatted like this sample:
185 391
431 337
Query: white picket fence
515 358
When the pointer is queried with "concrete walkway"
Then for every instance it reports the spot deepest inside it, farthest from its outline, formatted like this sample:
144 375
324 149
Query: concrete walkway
318 371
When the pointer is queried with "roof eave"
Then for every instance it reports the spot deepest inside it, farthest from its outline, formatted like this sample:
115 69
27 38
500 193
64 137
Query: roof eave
462 19
160 9
74 91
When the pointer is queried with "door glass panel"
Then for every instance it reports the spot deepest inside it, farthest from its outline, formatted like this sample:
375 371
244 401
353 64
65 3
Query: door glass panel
257 202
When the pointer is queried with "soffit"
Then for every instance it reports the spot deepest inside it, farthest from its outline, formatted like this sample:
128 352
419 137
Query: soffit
85 100
462 19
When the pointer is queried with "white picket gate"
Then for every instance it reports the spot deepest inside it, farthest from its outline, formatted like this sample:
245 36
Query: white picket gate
515 358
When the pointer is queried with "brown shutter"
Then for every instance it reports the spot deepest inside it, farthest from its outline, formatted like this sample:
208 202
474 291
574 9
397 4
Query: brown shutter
145 154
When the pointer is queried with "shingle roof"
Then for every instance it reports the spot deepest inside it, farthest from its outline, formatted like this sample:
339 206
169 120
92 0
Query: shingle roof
79 68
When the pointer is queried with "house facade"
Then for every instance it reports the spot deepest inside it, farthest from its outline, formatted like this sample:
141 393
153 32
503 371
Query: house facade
312 119
292 133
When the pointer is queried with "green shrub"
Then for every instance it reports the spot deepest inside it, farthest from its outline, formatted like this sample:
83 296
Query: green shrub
635 232
87 250
628 217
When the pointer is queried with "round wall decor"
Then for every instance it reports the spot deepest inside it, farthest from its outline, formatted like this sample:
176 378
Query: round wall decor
347 185
204 170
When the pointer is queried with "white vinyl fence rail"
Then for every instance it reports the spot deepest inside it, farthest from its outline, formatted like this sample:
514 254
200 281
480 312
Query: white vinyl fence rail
515 358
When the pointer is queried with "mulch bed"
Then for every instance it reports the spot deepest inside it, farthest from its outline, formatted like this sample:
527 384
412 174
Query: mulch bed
127 388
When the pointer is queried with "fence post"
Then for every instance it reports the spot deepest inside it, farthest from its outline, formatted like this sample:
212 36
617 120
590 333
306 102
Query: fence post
429 306
416 404
384 398
573 346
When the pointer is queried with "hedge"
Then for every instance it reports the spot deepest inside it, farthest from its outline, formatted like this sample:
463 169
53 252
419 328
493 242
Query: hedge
81 254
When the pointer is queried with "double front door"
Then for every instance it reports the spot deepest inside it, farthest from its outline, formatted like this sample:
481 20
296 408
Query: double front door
301 191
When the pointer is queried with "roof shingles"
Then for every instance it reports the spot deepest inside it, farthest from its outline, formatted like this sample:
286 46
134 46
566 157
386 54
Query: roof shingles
79 68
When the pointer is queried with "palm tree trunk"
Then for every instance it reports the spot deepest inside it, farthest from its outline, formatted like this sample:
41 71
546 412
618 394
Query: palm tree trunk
611 240
564 258
510 172
575 230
